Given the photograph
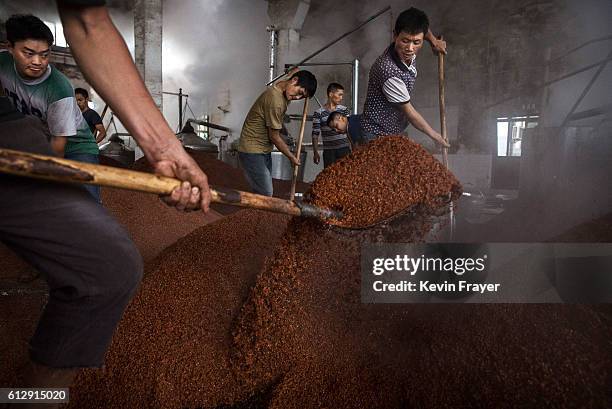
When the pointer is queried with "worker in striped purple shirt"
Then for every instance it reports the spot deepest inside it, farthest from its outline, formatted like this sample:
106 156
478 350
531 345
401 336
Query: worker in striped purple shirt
335 145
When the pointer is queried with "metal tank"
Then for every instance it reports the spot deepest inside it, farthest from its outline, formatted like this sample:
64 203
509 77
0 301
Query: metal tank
191 140
282 168
116 150
194 142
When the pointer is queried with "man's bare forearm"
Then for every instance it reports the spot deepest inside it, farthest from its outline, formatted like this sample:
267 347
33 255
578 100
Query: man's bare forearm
429 36
58 145
100 133
315 143
417 120
280 144
438 45
111 71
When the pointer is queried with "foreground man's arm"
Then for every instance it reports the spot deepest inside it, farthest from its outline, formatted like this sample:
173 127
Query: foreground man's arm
112 73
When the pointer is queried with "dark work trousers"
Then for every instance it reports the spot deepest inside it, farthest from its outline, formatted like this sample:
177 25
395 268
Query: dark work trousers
88 260
87 158
257 169
332 155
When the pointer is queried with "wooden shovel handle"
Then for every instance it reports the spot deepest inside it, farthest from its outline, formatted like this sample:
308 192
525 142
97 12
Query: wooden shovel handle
298 152
442 106
64 170
69 171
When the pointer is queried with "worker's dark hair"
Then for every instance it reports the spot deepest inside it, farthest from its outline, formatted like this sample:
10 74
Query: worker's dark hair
307 80
412 21
333 116
21 27
333 87
82 91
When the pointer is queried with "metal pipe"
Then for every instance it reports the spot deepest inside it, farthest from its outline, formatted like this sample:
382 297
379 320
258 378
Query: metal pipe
206 127
272 30
209 125
180 102
308 145
296 117
547 83
312 64
104 111
585 92
545 90
355 86
318 102
591 112
180 99
566 53
325 47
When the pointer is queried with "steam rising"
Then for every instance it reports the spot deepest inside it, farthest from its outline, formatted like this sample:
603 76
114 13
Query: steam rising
216 51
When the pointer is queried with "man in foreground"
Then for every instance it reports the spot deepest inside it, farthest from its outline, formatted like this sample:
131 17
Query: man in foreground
59 229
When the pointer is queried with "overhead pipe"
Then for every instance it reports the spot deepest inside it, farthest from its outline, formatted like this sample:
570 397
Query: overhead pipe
355 86
330 44
273 38
180 96
209 125
547 83
585 92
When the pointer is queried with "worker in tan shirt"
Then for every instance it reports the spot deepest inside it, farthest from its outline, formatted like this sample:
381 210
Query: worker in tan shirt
261 129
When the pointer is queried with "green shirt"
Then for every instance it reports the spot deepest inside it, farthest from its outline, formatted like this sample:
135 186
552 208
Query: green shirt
267 112
51 98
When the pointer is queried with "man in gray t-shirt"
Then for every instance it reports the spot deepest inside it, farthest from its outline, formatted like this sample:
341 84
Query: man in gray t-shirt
37 88
336 145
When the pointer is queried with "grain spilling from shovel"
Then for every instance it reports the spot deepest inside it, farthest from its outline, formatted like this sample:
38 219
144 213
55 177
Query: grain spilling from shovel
388 176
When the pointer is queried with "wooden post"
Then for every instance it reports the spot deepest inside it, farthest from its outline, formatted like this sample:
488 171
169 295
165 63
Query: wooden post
299 150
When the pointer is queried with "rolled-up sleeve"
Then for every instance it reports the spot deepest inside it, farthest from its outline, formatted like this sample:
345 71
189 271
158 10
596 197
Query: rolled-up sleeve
395 91
63 117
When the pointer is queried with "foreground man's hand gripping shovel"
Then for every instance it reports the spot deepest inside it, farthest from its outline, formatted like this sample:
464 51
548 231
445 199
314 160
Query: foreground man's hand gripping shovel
68 171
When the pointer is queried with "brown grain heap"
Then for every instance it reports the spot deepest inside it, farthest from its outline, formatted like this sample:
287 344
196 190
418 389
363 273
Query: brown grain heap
216 326
152 225
388 176
171 350
305 331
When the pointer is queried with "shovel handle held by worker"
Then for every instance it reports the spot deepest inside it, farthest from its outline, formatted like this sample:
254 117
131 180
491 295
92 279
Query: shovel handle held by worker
298 152
69 171
442 106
